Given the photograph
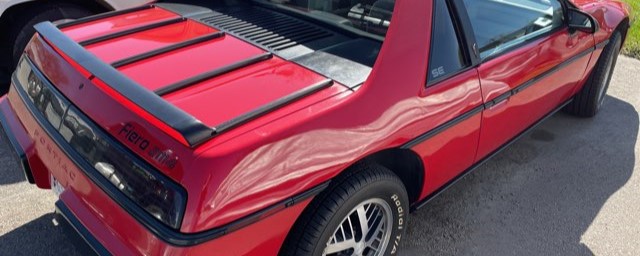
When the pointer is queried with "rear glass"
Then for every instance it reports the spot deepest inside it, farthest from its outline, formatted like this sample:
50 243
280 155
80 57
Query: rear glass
371 16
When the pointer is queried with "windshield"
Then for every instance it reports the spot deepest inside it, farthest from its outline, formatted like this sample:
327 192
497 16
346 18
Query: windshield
371 16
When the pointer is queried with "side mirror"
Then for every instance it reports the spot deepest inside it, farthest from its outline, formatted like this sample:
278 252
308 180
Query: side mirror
581 21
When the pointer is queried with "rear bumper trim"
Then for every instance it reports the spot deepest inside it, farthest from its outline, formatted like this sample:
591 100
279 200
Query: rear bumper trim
17 149
97 247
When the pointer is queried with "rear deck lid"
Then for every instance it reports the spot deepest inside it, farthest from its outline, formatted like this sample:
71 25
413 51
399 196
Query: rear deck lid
189 80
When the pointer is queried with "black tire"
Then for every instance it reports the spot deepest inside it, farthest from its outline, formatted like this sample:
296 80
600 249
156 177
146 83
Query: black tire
327 211
588 101
21 27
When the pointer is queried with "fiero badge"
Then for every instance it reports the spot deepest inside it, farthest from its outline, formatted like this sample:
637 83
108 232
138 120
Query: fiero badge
137 140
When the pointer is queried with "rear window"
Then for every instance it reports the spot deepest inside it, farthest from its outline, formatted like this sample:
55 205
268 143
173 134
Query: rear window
371 16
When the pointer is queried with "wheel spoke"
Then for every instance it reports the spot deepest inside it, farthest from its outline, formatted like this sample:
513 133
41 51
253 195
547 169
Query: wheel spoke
340 246
351 228
376 226
376 238
366 230
364 224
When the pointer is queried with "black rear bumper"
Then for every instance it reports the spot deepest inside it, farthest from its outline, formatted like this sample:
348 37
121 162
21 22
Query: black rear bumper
69 221
16 149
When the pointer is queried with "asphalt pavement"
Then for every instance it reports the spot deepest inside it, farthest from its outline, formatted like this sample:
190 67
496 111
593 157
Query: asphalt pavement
569 187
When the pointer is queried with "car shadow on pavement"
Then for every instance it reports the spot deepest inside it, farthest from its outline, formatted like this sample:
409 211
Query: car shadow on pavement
10 173
537 197
42 237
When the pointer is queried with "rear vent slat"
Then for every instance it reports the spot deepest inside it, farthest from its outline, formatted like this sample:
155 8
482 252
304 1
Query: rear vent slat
239 26
297 39
250 30
230 22
271 30
294 33
218 17
281 28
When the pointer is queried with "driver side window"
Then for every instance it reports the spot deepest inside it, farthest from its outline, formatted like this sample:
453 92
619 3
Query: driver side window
502 24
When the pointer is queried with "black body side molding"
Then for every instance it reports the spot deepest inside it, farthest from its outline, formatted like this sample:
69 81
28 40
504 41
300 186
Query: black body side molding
500 98
430 134
416 206
489 104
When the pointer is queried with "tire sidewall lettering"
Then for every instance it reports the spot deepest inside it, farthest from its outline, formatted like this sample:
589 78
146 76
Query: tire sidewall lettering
399 211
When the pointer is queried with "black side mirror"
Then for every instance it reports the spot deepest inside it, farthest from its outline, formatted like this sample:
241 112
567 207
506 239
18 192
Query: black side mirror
581 21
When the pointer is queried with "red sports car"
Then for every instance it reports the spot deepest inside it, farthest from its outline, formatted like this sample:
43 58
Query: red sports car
291 127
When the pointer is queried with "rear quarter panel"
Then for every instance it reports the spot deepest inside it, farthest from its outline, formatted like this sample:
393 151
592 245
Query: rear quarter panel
306 148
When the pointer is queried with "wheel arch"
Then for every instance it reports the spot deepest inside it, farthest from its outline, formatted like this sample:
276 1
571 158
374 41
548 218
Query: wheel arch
623 27
405 163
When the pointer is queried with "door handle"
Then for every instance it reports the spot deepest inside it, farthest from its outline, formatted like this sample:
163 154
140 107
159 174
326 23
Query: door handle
498 101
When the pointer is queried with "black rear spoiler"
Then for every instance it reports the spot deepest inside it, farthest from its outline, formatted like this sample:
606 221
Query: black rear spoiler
192 130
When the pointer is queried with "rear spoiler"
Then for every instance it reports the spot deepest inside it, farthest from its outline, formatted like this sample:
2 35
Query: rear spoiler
192 131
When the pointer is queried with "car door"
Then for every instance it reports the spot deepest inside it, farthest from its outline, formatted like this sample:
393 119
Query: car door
453 101
530 64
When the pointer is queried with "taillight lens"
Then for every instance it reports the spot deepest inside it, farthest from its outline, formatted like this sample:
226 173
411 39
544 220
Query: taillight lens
113 167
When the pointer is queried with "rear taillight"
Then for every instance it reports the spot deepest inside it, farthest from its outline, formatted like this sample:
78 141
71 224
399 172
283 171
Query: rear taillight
129 180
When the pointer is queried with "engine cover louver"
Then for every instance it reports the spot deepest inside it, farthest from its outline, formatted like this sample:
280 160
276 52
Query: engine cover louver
271 30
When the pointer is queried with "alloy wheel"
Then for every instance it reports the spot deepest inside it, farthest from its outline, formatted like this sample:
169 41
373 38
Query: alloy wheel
365 231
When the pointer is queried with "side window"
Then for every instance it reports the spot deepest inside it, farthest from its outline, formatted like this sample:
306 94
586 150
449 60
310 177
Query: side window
446 54
501 24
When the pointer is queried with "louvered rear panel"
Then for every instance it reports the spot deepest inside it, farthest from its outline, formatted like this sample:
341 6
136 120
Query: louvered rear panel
271 30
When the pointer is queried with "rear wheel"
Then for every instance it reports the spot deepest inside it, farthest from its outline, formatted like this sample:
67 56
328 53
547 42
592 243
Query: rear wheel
588 101
363 213
21 29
